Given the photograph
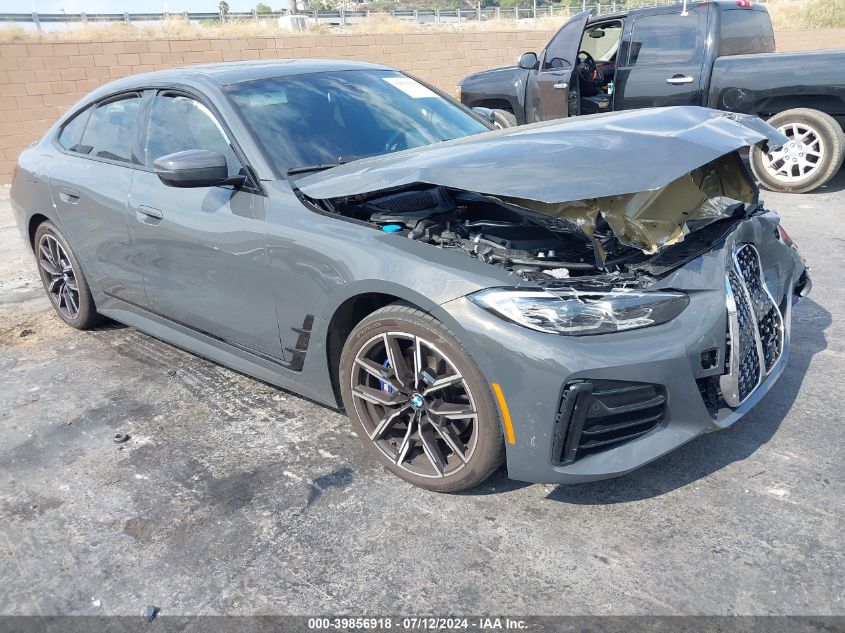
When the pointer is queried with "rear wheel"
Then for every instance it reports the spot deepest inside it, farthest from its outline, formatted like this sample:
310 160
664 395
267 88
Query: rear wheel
418 402
504 119
812 156
62 278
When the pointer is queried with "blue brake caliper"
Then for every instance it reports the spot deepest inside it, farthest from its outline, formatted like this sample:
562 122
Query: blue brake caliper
383 385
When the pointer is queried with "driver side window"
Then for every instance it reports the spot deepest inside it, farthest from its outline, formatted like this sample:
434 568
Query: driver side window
561 50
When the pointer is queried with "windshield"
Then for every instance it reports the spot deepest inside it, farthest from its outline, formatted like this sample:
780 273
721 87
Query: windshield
335 117
602 42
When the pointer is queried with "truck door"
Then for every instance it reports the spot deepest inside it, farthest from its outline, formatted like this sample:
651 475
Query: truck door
663 62
548 93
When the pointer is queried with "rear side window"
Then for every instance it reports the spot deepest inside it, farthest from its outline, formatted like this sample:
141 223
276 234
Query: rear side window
111 128
71 133
179 123
667 38
744 31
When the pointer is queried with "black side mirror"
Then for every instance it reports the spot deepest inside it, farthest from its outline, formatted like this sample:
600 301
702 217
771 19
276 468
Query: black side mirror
195 168
485 113
527 61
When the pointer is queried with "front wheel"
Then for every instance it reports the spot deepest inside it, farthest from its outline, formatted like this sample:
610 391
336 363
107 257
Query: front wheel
810 158
418 402
504 119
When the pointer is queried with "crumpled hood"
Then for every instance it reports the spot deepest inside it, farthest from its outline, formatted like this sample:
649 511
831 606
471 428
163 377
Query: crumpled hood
560 161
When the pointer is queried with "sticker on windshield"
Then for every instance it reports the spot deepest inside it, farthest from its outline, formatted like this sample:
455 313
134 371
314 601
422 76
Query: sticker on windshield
261 99
410 87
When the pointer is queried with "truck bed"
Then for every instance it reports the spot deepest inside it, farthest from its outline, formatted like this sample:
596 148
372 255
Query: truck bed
767 83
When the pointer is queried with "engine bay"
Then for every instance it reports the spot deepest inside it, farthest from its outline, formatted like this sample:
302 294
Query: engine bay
542 249
526 242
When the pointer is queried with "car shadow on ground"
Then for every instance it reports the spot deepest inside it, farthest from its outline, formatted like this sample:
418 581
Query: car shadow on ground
708 453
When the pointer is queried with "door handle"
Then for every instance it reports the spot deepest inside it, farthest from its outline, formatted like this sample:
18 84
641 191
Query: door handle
150 212
561 85
68 195
677 80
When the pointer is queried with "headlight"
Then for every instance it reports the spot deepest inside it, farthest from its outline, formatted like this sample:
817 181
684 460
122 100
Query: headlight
580 313
458 94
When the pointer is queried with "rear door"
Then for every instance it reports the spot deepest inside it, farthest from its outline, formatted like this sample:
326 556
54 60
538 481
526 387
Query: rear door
663 61
549 89
202 249
90 185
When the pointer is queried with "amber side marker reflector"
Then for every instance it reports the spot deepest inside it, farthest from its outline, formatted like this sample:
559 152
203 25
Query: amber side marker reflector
506 415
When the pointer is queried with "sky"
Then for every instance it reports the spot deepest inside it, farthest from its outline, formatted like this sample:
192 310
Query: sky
120 6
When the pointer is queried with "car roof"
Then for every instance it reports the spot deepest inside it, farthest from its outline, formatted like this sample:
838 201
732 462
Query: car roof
235 72
227 73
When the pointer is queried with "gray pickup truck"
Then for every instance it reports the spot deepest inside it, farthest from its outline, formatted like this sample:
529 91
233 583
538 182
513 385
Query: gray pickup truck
715 54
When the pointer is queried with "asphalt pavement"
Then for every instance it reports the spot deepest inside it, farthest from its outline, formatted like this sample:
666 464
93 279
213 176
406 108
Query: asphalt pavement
233 497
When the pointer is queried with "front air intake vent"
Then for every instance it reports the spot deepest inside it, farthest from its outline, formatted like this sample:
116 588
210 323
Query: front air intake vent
433 200
598 415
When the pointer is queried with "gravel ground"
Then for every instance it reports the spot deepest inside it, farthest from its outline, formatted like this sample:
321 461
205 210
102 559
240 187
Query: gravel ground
233 497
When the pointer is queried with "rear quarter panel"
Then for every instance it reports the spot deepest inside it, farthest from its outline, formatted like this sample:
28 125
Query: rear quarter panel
30 192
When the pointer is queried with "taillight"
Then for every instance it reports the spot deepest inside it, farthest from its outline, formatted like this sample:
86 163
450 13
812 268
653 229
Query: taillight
745 4
783 236
14 172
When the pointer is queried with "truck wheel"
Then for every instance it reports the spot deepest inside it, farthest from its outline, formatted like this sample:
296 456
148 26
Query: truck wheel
812 156
418 402
504 119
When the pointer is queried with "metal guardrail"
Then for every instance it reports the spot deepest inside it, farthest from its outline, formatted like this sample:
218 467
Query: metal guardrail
340 17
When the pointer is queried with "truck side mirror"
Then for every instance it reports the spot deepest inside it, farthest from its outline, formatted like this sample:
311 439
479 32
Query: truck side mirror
527 61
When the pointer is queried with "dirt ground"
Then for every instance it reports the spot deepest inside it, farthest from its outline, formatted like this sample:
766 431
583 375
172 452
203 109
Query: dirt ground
233 497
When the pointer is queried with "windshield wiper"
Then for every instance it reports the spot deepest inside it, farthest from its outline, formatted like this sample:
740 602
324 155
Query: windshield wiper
318 167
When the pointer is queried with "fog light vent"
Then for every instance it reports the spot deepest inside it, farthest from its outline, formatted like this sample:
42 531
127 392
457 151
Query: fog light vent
597 415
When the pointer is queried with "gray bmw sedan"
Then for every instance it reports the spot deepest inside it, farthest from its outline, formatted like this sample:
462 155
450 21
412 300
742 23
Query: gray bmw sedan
575 298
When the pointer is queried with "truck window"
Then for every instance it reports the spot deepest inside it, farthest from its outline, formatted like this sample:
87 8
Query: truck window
562 47
666 38
602 41
744 31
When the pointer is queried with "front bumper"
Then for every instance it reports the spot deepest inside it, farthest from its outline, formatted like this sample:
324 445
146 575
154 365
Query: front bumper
534 370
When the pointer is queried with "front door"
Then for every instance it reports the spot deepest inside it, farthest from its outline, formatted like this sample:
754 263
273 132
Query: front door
663 64
202 249
550 90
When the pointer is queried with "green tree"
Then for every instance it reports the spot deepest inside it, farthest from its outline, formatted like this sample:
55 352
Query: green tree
263 8
223 7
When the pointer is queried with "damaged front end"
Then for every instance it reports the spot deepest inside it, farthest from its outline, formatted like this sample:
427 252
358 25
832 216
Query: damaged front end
643 226
566 205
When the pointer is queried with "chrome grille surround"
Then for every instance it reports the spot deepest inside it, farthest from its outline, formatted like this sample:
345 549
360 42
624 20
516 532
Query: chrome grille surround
755 332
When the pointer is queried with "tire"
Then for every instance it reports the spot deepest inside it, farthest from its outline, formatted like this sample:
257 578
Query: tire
466 450
504 119
58 282
801 166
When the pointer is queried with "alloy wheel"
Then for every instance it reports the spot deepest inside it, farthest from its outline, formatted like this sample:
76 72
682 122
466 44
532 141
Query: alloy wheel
60 278
800 157
414 404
